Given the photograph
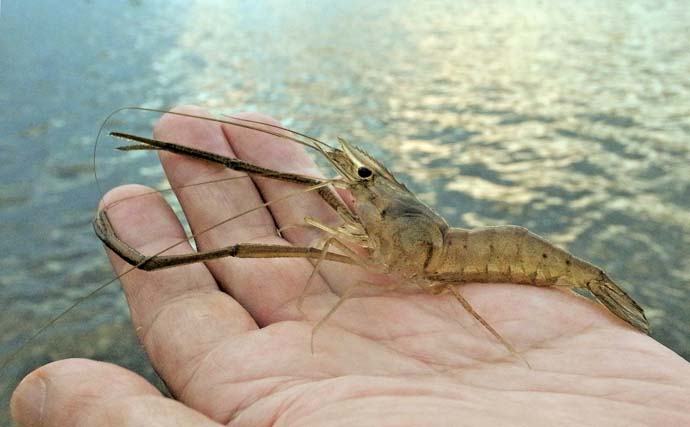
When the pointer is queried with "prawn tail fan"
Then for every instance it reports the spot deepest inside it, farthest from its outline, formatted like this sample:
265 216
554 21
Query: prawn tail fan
615 299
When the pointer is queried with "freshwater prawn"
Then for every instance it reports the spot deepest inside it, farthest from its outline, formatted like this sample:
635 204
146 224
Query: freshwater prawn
398 234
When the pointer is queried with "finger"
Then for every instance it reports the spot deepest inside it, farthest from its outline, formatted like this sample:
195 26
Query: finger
265 287
283 155
80 392
179 313
208 205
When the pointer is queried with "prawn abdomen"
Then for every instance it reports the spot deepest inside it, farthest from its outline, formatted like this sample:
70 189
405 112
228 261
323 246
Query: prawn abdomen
512 254
504 254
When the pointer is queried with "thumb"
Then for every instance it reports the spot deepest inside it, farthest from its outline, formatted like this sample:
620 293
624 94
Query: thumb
81 392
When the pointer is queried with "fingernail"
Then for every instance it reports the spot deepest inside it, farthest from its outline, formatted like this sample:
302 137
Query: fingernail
28 401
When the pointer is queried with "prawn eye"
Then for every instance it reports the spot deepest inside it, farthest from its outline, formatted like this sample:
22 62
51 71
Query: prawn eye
364 172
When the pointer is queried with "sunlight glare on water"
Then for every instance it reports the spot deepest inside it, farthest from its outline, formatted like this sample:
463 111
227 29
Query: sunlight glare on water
569 118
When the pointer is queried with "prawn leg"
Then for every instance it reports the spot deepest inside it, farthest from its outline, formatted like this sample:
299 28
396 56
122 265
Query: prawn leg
348 294
466 305
331 240
106 233
344 297
238 165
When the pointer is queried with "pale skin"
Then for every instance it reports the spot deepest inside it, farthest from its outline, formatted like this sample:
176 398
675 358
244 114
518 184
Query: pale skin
228 340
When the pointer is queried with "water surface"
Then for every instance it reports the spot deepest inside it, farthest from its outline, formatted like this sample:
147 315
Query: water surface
570 118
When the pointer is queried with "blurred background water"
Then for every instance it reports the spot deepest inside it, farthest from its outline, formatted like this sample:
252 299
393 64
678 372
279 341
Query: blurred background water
570 118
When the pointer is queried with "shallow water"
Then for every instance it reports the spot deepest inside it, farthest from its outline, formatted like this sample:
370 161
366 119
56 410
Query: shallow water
572 120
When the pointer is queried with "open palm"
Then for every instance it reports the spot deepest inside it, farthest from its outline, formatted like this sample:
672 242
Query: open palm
232 346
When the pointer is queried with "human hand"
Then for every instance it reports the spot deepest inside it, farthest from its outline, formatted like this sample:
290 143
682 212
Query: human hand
233 349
